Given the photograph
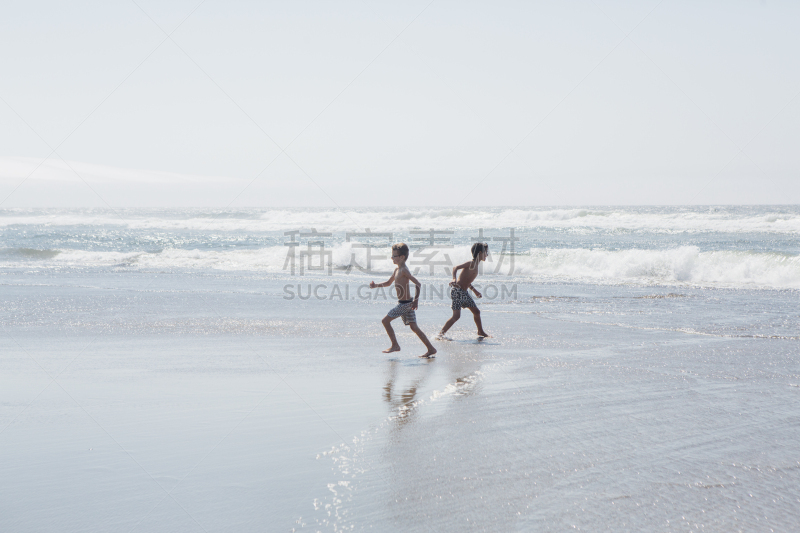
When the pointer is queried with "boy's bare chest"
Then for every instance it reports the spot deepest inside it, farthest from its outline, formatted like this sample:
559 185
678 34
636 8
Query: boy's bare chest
401 278
469 274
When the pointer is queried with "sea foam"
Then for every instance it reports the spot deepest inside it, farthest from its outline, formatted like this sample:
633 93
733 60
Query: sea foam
650 220
681 265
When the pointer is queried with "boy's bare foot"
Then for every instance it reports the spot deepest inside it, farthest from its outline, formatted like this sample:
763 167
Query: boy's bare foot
429 353
393 348
483 334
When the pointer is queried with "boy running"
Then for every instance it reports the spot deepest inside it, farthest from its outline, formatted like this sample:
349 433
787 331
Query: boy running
458 291
405 306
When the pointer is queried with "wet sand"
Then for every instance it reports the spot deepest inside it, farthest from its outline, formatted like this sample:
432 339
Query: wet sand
214 404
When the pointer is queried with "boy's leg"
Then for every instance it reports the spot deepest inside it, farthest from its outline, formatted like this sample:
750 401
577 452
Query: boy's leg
476 314
424 339
387 323
453 319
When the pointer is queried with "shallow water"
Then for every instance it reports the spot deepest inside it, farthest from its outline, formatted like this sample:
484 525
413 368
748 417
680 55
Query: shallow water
185 400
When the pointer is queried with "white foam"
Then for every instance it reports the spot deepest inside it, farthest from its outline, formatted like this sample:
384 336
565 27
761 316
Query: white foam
684 265
659 221
679 265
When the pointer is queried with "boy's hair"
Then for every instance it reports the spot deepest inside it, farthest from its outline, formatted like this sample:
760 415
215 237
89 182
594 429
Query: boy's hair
479 247
402 249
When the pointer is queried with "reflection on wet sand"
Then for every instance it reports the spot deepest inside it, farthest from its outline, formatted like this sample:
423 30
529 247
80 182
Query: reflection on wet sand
403 386
402 404
430 438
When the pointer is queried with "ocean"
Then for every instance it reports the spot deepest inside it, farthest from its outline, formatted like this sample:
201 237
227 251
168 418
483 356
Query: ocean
202 370
735 247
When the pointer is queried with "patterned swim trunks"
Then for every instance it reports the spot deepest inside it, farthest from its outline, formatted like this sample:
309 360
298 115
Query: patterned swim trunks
403 309
461 298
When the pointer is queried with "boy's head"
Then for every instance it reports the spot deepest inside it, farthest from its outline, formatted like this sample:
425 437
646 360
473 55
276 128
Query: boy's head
479 251
399 253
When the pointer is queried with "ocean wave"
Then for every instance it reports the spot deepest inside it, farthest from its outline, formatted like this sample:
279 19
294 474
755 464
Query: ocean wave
651 220
682 265
28 253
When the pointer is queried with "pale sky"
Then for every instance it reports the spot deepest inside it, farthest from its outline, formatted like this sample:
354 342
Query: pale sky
399 103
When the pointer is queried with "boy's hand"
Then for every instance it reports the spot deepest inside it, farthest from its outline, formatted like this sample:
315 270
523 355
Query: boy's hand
453 283
414 305
372 285
477 293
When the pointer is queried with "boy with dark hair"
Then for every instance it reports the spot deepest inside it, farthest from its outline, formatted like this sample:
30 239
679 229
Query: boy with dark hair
458 291
405 306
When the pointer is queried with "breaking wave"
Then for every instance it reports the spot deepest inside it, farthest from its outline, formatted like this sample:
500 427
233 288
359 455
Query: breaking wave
679 265
683 265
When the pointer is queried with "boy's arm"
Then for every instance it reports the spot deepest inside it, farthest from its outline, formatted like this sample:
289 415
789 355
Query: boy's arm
373 285
417 285
457 268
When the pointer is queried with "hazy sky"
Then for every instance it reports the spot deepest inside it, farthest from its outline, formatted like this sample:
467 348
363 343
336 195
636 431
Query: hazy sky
353 103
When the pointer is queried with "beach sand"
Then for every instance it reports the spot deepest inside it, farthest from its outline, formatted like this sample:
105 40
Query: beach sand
209 402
